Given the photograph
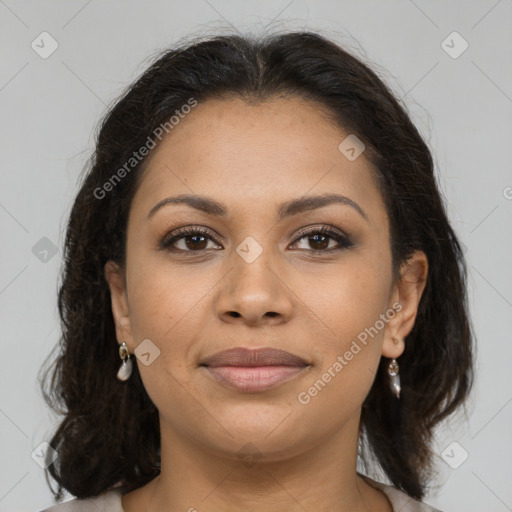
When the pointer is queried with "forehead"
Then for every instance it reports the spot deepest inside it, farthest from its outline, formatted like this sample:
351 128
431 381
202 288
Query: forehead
262 153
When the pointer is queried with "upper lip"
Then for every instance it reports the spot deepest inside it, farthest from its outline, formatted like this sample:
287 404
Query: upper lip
266 356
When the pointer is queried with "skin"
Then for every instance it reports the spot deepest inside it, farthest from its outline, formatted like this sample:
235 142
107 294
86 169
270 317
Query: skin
251 158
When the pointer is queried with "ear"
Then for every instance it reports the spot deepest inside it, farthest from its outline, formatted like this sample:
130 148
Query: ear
119 301
405 298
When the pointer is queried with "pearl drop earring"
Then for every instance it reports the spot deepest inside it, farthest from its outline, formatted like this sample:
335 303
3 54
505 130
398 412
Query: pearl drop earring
393 370
125 370
395 378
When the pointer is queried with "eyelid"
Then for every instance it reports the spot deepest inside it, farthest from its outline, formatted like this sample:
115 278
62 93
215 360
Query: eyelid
314 228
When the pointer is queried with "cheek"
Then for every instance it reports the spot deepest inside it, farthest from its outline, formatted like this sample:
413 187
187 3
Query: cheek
349 349
351 299
162 298
164 307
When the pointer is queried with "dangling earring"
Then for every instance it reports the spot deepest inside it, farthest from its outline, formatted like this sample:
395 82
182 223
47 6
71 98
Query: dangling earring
125 370
395 378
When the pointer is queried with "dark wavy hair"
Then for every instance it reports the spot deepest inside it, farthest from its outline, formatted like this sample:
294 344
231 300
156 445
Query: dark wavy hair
109 434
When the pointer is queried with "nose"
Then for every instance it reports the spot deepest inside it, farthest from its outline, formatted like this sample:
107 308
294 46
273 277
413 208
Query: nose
255 292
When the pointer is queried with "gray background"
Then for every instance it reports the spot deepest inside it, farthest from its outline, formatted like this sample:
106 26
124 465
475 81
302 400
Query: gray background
50 108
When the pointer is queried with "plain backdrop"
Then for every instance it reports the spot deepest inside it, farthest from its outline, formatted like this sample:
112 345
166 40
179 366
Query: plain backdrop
460 98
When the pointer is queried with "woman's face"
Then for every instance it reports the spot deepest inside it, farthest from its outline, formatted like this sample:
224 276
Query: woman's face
258 275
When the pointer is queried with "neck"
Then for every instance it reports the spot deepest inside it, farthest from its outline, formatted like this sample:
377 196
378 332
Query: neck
318 477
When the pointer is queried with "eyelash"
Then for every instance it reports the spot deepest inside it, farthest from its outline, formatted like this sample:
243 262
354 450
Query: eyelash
174 236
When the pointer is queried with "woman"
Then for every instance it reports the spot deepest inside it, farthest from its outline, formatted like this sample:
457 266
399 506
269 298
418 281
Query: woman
261 254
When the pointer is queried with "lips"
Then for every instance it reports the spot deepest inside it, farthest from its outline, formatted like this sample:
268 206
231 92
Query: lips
252 371
253 357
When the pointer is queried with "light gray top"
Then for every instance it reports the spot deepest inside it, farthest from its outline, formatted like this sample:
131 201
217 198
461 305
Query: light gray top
110 501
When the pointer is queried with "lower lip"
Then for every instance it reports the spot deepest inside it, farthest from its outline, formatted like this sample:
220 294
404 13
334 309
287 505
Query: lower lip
256 378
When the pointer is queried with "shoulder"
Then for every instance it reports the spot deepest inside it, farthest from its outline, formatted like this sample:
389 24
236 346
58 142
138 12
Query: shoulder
399 499
109 501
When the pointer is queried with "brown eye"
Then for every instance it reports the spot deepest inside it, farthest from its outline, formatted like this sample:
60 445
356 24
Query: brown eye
189 240
319 240
192 240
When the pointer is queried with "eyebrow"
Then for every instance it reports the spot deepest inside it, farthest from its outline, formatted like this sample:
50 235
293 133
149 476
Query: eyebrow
287 209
